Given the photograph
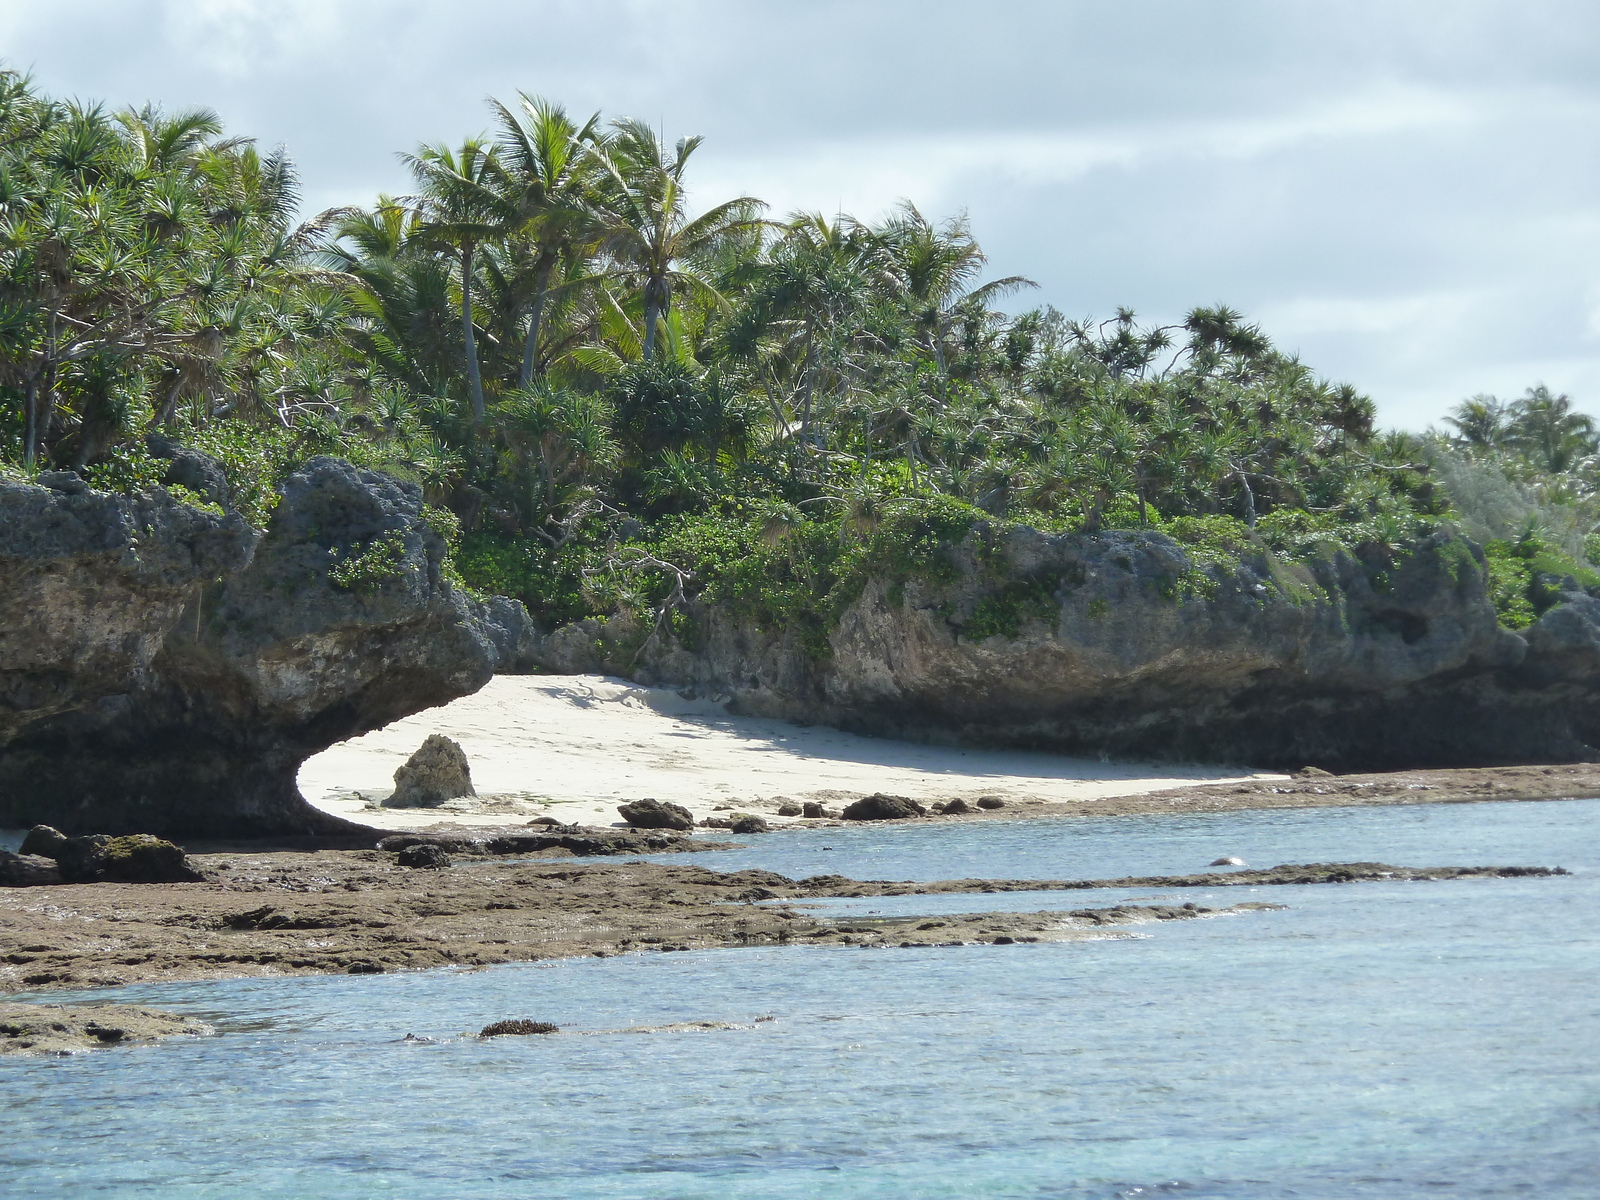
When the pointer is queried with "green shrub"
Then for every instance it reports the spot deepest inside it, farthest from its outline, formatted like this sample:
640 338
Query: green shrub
368 571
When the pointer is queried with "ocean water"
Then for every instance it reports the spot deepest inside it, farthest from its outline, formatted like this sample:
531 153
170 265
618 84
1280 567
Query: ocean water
1372 1040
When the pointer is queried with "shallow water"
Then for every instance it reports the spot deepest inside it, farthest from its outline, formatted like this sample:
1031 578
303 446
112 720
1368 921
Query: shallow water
1374 1040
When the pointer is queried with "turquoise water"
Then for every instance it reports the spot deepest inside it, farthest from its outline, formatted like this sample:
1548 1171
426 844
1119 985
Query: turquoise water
1374 1040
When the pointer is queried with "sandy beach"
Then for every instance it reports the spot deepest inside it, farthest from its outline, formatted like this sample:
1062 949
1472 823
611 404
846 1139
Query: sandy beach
576 746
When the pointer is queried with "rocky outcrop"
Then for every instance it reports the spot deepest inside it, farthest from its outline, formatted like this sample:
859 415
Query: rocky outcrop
1125 644
54 1030
166 669
656 814
880 807
437 772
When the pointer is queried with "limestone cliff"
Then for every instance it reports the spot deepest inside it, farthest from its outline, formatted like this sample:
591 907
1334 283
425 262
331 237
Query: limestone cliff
1123 644
166 669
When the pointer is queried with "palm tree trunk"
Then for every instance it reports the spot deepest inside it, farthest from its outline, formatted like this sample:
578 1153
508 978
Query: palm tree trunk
530 348
470 337
651 312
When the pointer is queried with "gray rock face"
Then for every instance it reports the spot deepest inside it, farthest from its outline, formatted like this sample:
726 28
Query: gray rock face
1123 644
165 669
656 814
437 772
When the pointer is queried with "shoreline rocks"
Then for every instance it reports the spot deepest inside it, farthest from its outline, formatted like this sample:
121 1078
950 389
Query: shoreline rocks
57 1030
881 807
165 669
50 857
1126 644
650 813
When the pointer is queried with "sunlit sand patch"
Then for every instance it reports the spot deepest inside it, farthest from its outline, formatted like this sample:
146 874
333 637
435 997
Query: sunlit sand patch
576 746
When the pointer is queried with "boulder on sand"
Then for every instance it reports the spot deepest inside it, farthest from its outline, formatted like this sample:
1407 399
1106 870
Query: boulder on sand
813 811
881 807
650 813
991 802
437 772
954 808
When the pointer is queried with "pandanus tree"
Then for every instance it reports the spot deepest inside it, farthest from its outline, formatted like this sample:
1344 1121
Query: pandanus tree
652 244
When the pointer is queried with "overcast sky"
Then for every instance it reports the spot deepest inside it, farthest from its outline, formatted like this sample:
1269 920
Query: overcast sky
1407 194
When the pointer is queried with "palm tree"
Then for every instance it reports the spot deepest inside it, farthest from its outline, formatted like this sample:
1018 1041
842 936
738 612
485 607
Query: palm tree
934 270
1545 429
550 172
648 237
462 205
1481 423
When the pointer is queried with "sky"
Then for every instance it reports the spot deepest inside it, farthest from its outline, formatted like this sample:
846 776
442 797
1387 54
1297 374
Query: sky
1406 194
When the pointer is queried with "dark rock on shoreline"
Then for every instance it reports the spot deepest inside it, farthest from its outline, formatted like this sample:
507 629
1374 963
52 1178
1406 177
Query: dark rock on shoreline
577 840
1124 643
28 870
747 823
879 807
166 669
95 858
424 856
656 814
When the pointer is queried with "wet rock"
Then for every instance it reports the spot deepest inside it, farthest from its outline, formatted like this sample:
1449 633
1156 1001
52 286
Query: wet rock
789 810
575 839
521 1028
991 802
747 823
881 807
44 841
437 772
1229 861
424 856
132 858
53 1029
27 870
813 811
656 814
954 807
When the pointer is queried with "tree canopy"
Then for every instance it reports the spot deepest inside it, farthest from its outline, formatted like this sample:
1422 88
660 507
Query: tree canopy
568 355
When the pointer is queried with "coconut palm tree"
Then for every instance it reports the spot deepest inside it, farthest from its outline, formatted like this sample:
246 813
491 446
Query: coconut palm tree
1546 431
462 205
648 237
551 172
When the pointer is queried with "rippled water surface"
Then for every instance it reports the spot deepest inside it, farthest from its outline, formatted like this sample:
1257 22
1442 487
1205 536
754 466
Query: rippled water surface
1382 1040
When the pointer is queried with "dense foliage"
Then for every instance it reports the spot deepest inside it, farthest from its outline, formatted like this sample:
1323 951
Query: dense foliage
615 398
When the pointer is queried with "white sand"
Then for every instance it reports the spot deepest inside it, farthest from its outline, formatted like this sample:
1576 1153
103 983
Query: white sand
576 746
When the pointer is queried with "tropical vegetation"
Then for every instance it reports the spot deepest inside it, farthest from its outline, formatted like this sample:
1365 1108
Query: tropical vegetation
610 395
